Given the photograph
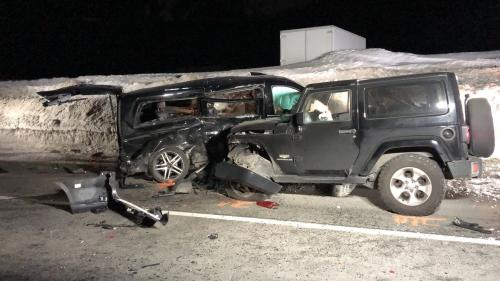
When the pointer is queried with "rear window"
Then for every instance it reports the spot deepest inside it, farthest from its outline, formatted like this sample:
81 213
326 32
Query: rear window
167 109
417 99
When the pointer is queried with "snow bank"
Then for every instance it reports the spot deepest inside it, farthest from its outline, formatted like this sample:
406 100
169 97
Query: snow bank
86 129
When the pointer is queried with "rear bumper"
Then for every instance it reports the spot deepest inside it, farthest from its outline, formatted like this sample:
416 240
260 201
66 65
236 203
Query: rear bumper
470 168
230 172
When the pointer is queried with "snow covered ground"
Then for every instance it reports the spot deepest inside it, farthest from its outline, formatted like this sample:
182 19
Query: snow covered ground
86 129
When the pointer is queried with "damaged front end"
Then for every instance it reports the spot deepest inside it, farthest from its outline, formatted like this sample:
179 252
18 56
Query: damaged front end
99 193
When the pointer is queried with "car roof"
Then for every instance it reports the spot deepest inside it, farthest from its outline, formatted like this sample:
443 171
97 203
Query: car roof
214 84
383 79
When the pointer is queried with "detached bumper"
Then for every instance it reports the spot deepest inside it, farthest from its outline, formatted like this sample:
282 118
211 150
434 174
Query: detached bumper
230 172
470 168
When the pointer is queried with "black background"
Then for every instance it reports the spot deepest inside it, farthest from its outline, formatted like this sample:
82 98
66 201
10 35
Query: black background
71 38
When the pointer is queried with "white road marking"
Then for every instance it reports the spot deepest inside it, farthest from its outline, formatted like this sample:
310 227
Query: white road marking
6 197
339 228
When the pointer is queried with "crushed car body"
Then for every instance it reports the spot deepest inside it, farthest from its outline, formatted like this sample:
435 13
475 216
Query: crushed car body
168 132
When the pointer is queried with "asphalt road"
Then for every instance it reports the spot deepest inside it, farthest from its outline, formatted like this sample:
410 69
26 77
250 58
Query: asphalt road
308 237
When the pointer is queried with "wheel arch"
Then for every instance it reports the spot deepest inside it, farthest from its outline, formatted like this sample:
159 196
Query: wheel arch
389 150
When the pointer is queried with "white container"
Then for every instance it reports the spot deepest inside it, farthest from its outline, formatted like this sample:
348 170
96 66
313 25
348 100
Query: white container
299 45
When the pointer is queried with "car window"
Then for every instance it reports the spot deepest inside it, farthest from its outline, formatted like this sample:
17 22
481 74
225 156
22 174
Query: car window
327 106
284 98
166 109
237 94
231 108
407 100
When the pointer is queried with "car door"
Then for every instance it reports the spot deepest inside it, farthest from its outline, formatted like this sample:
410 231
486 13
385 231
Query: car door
326 143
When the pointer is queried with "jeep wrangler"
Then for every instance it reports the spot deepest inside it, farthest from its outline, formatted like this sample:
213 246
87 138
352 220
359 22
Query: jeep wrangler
401 135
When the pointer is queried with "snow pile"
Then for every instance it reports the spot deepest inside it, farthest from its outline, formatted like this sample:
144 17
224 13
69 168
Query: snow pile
86 128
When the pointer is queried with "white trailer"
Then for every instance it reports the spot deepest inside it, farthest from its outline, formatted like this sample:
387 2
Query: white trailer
299 45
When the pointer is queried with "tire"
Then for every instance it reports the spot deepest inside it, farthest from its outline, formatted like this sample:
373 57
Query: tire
244 193
411 185
176 169
480 121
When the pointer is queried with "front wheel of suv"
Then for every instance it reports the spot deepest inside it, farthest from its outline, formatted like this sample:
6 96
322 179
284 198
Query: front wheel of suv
411 184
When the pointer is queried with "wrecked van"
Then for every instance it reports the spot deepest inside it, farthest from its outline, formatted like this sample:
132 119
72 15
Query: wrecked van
170 131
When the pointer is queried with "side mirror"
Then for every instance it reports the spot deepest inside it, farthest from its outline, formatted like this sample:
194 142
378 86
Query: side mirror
298 118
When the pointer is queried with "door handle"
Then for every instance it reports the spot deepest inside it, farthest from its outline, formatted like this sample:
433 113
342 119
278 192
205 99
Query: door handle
350 131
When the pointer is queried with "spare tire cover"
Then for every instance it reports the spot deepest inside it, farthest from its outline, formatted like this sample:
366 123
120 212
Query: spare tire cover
480 121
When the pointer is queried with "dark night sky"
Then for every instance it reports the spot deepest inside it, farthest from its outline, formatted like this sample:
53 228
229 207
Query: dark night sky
71 38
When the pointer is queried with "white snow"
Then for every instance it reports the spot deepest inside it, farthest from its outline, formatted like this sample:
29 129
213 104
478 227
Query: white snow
29 131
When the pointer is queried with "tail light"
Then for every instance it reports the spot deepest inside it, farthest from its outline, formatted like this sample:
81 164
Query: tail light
466 133
475 169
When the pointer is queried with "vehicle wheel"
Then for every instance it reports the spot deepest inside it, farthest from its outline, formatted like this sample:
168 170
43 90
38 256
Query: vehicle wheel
245 193
169 163
411 184
482 133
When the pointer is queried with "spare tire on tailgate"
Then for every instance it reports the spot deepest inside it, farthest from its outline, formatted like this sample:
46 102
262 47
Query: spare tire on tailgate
480 121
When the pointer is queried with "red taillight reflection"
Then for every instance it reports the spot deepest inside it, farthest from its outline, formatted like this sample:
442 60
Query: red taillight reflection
475 168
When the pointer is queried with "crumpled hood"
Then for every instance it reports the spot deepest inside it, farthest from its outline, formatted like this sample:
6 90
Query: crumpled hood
256 125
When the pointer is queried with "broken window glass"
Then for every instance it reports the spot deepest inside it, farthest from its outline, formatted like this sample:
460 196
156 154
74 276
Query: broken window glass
327 106
167 109
231 108
237 94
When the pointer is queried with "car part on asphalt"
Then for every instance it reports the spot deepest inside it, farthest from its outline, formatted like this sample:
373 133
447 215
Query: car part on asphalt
150 265
98 193
146 217
84 195
472 226
213 236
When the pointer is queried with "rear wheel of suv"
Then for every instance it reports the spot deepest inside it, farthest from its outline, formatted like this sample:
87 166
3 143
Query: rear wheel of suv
169 163
411 184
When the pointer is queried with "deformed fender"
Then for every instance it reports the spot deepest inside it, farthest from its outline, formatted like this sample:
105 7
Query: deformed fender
88 194
231 172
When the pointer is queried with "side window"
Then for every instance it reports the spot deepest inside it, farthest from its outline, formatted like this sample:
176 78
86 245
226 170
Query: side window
417 99
231 108
236 94
327 106
166 109
284 98
234 102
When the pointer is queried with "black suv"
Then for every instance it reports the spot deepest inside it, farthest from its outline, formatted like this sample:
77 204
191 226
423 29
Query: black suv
169 131
402 135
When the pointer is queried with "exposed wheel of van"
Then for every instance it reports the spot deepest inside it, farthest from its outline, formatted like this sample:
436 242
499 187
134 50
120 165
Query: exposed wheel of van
411 184
169 163
245 193
480 121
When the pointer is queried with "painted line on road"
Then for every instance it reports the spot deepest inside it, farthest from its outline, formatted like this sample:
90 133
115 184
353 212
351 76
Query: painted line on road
6 197
339 228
